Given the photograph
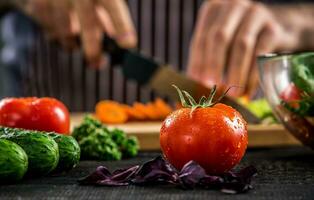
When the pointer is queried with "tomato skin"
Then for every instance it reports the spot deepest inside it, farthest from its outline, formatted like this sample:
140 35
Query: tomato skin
215 137
291 93
43 114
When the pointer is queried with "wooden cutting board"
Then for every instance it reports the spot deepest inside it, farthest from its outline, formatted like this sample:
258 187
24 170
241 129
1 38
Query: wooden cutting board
148 133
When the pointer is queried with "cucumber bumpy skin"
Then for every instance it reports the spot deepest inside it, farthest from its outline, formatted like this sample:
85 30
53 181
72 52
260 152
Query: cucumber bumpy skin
13 162
69 151
41 149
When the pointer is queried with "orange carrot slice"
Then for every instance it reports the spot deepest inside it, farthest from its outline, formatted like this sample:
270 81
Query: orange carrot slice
153 112
110 112
133 113
163 107
143 109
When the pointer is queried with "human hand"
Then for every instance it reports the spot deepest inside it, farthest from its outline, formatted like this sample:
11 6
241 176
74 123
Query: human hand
229 35
64 19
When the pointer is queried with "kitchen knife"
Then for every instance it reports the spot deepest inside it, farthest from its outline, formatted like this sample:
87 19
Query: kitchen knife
160 78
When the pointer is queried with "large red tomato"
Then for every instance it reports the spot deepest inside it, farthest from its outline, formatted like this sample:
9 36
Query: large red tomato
43 114
214 136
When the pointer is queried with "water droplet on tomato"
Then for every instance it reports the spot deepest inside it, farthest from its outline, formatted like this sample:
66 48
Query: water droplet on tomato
168 149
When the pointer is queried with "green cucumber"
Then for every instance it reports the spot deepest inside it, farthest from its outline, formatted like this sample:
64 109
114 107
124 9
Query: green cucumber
13 162
69 151
42 150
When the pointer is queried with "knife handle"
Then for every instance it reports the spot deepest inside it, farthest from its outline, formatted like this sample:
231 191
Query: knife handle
110 47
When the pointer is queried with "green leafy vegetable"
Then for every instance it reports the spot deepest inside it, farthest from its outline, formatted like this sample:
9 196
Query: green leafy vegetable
305 106
261 109
302 74
100 143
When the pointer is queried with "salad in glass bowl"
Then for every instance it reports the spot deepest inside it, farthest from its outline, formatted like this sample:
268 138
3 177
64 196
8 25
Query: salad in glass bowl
288 84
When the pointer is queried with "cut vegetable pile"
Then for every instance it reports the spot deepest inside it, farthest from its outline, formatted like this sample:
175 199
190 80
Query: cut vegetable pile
259 108
111 112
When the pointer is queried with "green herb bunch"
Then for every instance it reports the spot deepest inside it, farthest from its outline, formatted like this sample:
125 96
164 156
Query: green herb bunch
100 143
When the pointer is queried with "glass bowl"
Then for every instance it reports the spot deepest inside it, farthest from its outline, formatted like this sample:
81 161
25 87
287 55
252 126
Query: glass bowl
288 84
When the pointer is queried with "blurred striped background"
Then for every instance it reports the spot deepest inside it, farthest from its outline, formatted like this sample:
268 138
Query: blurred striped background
164 30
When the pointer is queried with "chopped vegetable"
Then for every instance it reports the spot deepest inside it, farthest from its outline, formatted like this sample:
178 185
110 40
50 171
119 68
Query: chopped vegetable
162 107
134 114
111 112
262 109
291 94
303 107
302 75
302 72
159 171
259 108
100 143
148 110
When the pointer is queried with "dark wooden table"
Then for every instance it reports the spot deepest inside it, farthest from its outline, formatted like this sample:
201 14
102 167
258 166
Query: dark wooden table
284 173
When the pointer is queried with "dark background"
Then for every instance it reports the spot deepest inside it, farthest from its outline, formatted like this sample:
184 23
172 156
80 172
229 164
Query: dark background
32 66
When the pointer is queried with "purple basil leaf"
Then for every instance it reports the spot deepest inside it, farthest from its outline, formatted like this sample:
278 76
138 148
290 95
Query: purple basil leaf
211 182
102 176
124 175
154 177
238 182
101 173
156 171
110 182
247 173
191 174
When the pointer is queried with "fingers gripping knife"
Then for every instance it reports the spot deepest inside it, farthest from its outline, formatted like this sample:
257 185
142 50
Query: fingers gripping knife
160 78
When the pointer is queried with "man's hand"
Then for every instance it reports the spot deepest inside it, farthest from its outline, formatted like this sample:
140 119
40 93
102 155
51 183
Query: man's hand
229 35
63 19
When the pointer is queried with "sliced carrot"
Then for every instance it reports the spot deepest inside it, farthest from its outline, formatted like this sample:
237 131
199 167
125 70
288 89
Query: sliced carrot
141 108
153 112
133 113
149 113
110 112
163 107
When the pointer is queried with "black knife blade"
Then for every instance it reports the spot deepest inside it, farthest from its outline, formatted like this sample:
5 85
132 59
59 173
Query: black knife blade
146 71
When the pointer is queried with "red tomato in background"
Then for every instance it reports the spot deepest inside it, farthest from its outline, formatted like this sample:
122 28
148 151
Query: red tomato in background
215 137
43 114
291 93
